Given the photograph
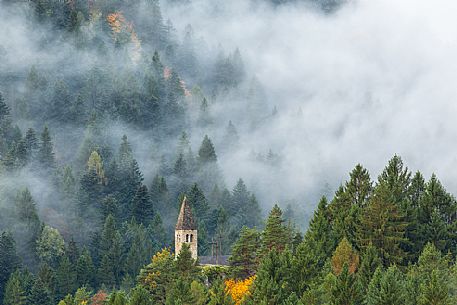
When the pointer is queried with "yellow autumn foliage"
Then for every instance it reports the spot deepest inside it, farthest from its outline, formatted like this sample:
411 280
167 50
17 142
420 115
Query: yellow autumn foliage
238 290
344 254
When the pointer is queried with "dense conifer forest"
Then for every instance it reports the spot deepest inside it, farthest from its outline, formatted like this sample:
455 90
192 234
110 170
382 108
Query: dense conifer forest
119 115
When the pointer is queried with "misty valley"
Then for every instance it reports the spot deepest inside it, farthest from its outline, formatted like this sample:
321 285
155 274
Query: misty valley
257 152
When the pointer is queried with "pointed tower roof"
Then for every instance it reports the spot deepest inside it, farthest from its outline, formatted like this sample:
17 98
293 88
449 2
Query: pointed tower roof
185 218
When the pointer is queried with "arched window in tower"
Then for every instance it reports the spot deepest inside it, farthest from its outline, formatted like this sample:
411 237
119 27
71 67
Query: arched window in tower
187 238
191 237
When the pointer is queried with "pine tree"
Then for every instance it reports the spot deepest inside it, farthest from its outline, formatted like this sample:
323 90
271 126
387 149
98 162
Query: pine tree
129 178
14 290
158 276
85 270
395 181
370 261
46 153
48 277
105 272
39 294
199 204
218 295
382 226
207 153
180 168
436 216
4 110
435 290
180 293
320 231
65 278
140 248
244 258
160 196
387 288
185 264
344 288
117 298
274 278
251 213
50 246
26 209
359 187
142 208
275 235
348 202
140 296
9 260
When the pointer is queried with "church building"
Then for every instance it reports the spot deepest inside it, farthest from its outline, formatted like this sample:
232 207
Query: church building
186 230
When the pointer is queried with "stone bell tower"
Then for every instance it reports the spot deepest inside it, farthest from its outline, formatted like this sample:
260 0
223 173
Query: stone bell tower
186 230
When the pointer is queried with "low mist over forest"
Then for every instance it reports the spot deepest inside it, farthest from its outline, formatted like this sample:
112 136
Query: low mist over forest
313 140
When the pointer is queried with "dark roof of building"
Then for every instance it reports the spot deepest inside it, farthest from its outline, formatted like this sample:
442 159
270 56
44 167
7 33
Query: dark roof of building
185 218
220 260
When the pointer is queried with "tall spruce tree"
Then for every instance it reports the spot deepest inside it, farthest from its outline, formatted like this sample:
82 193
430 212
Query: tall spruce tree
9 260
14 290
275 236
142 206
383 226
387 288
207 153
244 258
46 150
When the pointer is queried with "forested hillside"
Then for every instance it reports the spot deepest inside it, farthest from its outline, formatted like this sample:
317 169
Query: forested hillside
109 116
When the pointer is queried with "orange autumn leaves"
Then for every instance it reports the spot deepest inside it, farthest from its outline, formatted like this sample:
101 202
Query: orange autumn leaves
238 290
123 32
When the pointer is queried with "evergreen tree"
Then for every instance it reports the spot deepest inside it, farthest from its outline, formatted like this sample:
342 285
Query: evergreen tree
106 274
158 276
218 295
50 246
344 288
129 178
185 264
370 261
5 125
435 290
85 270
274 277
140 248
275 235
14 290
207 153
140 296
46 150
65 277
395 181
9 260
142 208
244 258
320 231
387 288
436 216
199 204
180 293
4 110
26 209
47 276
382 226
39 294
